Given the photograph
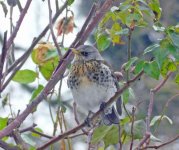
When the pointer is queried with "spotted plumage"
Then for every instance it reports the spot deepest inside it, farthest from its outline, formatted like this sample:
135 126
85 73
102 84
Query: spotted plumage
90 79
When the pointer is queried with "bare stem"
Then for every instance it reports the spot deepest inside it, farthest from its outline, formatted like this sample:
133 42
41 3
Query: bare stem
129 50
132 128
2 59
51 29
19 22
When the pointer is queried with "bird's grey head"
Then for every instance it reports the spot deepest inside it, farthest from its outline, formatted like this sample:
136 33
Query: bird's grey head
86 53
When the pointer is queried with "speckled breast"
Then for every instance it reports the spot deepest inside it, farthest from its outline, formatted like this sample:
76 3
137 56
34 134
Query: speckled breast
91 83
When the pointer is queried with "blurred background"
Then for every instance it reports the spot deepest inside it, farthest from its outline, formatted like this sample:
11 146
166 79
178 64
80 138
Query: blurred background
35 21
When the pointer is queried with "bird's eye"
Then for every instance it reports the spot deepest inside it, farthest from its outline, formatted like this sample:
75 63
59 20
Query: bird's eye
84 54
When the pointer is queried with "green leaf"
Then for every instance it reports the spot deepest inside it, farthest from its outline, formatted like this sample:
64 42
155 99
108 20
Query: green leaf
112 136
116 39
35 134
151 48
152 70
28 139
177 79
155 7
130 63
51 54
142 1
133 17
158 118
32 148
138 129
103 42
125 96
175 38
70 2
25 76
139 66
124 121
160 55
108 134
167 66
48 67
99 133
101 148
3 122
158 27
155 139
36 92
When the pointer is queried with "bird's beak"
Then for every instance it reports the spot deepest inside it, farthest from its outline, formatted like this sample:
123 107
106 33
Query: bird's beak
76 52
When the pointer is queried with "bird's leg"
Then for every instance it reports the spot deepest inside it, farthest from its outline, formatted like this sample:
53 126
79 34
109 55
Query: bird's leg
75 113
76 118
88 119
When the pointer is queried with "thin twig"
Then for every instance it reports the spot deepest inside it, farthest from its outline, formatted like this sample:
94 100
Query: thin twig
12 75
41 134
129 50
132 128
65 125
51 29
28 128
162 145
11 52
19 22
2 59
6 146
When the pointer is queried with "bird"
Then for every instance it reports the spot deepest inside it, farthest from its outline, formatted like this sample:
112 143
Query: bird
93 83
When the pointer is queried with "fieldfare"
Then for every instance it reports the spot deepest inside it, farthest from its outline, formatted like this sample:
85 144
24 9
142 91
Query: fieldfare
92 83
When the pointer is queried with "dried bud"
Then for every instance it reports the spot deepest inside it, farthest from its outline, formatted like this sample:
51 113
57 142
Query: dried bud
65 25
